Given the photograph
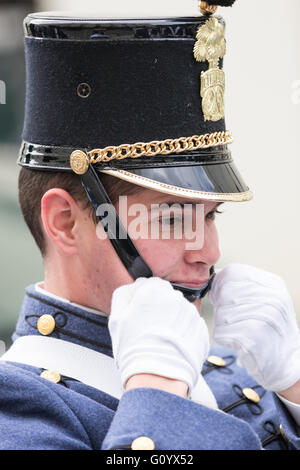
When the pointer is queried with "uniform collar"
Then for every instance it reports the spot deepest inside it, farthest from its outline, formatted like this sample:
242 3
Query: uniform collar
72 322
46 293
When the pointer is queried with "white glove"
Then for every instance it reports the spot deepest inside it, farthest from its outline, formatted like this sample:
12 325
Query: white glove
254 316
155 330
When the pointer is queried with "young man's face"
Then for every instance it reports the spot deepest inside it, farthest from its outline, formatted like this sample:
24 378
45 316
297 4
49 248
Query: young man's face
180 245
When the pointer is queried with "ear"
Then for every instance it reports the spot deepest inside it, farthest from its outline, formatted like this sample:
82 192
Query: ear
60 218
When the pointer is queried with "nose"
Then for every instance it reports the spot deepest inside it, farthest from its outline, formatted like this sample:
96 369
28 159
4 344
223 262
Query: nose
208 251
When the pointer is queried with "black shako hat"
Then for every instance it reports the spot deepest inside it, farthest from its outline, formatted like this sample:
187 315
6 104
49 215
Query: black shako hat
139 99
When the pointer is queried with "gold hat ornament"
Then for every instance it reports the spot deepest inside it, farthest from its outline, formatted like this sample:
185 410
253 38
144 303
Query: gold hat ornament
211 47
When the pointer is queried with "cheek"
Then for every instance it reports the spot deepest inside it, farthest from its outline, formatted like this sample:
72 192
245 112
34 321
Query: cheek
160 255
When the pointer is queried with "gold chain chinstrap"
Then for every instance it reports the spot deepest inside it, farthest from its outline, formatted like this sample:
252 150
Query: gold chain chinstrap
165 147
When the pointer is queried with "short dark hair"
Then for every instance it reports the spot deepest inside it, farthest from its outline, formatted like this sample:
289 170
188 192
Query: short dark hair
33 184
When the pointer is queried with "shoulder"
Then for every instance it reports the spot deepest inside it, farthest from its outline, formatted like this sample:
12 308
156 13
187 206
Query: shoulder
39 414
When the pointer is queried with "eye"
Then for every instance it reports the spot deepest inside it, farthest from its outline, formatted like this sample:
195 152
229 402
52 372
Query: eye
212 215
170 220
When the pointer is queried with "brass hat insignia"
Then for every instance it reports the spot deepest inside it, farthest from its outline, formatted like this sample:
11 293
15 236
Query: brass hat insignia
211 47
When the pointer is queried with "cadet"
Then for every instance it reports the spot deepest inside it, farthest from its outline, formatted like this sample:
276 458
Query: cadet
110 351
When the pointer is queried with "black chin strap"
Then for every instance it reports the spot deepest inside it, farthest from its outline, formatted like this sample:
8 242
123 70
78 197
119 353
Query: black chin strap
121 241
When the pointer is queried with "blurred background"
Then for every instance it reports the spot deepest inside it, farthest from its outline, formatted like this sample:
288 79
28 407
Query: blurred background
262 68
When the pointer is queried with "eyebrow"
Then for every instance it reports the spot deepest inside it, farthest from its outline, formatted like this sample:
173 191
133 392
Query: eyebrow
170 203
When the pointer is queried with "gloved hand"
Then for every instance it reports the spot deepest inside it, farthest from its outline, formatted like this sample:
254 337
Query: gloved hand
254 316
155 330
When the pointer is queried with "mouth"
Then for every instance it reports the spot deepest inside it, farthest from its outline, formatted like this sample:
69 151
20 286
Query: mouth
193 284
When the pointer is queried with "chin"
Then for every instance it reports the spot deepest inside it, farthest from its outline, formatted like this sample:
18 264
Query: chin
197 304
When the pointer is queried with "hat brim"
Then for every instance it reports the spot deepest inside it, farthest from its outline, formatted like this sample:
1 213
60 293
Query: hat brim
213 182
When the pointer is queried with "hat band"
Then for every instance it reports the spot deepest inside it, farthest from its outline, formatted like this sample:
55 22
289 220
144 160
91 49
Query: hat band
164 147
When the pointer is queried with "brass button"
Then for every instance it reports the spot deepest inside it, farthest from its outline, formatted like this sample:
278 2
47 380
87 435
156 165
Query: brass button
79 162
216 361
251 395
51 375
142 443
46 324
283 433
